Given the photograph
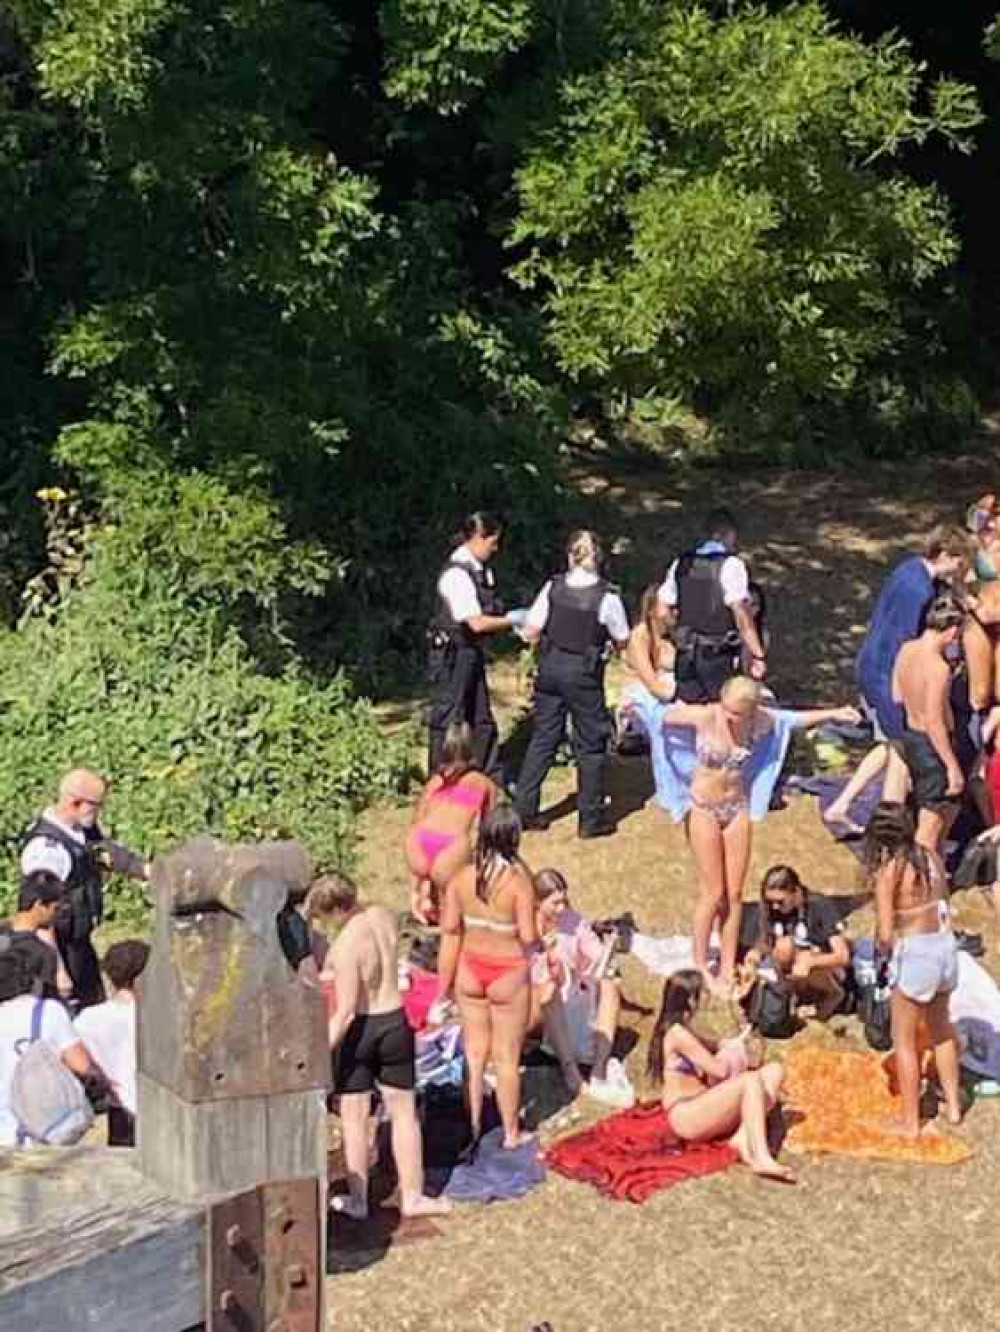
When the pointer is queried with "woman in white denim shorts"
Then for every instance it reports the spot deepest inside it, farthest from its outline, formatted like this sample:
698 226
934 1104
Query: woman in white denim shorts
914 941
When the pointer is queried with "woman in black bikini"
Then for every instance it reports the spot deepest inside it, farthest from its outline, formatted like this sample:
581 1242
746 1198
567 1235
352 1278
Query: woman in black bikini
708 1092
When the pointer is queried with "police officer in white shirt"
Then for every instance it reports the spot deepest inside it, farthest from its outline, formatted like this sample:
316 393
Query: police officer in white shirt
577 616
709 588
67 841
468 609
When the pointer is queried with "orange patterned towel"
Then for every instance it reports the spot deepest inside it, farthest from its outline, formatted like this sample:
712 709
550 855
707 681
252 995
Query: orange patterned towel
843 1102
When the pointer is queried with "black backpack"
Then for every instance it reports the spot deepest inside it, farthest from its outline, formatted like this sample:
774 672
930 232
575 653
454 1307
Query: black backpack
873 1010
771 1009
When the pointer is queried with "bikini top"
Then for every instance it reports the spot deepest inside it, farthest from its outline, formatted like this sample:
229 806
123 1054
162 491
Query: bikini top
935 880
486 922
679 1063
721 760
460 793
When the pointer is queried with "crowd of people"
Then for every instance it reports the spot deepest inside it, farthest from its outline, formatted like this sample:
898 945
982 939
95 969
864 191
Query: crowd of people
514 961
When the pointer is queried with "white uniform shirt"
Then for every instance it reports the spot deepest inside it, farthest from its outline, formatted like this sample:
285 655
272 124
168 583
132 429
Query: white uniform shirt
15 1026
108 1032
42 854
458 590
733 576
611 614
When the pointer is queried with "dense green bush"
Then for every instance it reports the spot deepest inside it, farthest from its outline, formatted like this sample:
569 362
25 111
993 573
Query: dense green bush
151 682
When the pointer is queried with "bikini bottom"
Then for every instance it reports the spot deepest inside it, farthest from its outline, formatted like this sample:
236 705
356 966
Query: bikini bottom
488 969
724 812
432 844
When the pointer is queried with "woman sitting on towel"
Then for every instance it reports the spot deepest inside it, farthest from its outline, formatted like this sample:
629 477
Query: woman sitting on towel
441 839
916 950
573 998
807 948
708 1090
487 932
719 776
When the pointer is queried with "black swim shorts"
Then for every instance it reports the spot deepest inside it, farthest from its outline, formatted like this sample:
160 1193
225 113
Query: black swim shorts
378 1048
927 773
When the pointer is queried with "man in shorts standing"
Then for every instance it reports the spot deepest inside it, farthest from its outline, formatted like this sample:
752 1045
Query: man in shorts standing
921 683
372 1043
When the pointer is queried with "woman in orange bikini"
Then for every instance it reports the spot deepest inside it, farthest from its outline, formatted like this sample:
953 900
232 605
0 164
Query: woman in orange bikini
487 932
440 840
708 1091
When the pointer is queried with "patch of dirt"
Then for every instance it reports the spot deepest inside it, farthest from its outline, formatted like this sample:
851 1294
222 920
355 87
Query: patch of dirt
855 1243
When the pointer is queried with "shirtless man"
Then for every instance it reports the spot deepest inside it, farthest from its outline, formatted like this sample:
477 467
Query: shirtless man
372 1042
921 682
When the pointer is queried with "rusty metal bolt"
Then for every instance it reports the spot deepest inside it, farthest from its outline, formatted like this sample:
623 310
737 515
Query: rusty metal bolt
296 1276
227 1301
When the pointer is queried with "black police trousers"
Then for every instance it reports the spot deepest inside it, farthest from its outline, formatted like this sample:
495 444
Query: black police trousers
701 671
80 960
567 683
459 693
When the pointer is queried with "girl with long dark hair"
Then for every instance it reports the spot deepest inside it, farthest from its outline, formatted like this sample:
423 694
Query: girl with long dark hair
440 841
917 949
708 1092
488 930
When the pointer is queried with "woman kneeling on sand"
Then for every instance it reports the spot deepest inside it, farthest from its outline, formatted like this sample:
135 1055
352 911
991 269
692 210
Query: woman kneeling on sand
708 1091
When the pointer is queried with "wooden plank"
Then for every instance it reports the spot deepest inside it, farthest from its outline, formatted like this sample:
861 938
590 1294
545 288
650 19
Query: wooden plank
88 1244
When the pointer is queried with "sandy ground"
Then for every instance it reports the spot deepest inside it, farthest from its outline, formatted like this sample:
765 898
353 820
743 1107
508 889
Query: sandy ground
856 1243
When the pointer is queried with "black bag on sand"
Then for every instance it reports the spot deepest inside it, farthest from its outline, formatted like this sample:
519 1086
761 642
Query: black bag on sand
771 1009
873 1010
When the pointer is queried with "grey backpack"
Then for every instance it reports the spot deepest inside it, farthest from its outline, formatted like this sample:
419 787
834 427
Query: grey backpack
47 1101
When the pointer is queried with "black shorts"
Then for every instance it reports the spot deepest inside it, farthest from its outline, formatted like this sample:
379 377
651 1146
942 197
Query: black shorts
927 773
378 1047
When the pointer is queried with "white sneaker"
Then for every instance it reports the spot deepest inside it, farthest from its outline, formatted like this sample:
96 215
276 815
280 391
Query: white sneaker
610 1093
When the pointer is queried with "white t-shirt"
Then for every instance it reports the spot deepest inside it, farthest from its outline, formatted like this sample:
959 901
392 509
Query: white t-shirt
15 1026
733 576
611 613
108 1032
458 589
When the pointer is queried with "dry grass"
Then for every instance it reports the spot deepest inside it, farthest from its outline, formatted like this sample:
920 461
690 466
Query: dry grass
857 1243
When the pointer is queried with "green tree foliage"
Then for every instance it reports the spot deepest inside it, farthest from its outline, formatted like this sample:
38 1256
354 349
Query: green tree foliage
718 219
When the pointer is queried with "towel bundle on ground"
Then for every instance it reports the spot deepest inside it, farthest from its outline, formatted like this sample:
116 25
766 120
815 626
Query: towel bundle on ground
632 1155
497 1173
842 1104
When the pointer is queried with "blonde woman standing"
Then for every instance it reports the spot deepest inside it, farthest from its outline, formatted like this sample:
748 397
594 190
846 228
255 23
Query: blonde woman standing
577 617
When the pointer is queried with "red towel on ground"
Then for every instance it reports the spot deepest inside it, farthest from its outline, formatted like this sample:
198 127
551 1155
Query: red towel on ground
633 1154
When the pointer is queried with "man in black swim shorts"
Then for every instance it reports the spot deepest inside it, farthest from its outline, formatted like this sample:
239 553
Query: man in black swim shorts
372 1045
921 681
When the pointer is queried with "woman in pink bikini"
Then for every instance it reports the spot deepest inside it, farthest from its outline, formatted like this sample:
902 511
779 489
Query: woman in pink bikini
708 1091
487 932
440 840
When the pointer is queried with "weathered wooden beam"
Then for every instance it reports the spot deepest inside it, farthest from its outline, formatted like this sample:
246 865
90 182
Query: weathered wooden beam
86 1243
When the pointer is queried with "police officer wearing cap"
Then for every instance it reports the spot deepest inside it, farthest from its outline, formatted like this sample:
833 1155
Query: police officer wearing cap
709 590
468 609
578 617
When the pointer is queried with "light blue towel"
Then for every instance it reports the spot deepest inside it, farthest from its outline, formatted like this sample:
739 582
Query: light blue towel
674 759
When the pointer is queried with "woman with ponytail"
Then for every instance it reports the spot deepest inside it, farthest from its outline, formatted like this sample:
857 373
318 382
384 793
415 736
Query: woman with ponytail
578 617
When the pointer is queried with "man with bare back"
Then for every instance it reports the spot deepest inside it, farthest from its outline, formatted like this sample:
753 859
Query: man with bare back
921 682
372 1043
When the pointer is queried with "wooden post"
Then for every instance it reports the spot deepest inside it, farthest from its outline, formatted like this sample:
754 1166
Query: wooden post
234 1061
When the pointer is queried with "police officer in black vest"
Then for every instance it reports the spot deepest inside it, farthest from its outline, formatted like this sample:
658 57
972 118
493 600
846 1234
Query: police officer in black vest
709 589
468 609
66 841
577 616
